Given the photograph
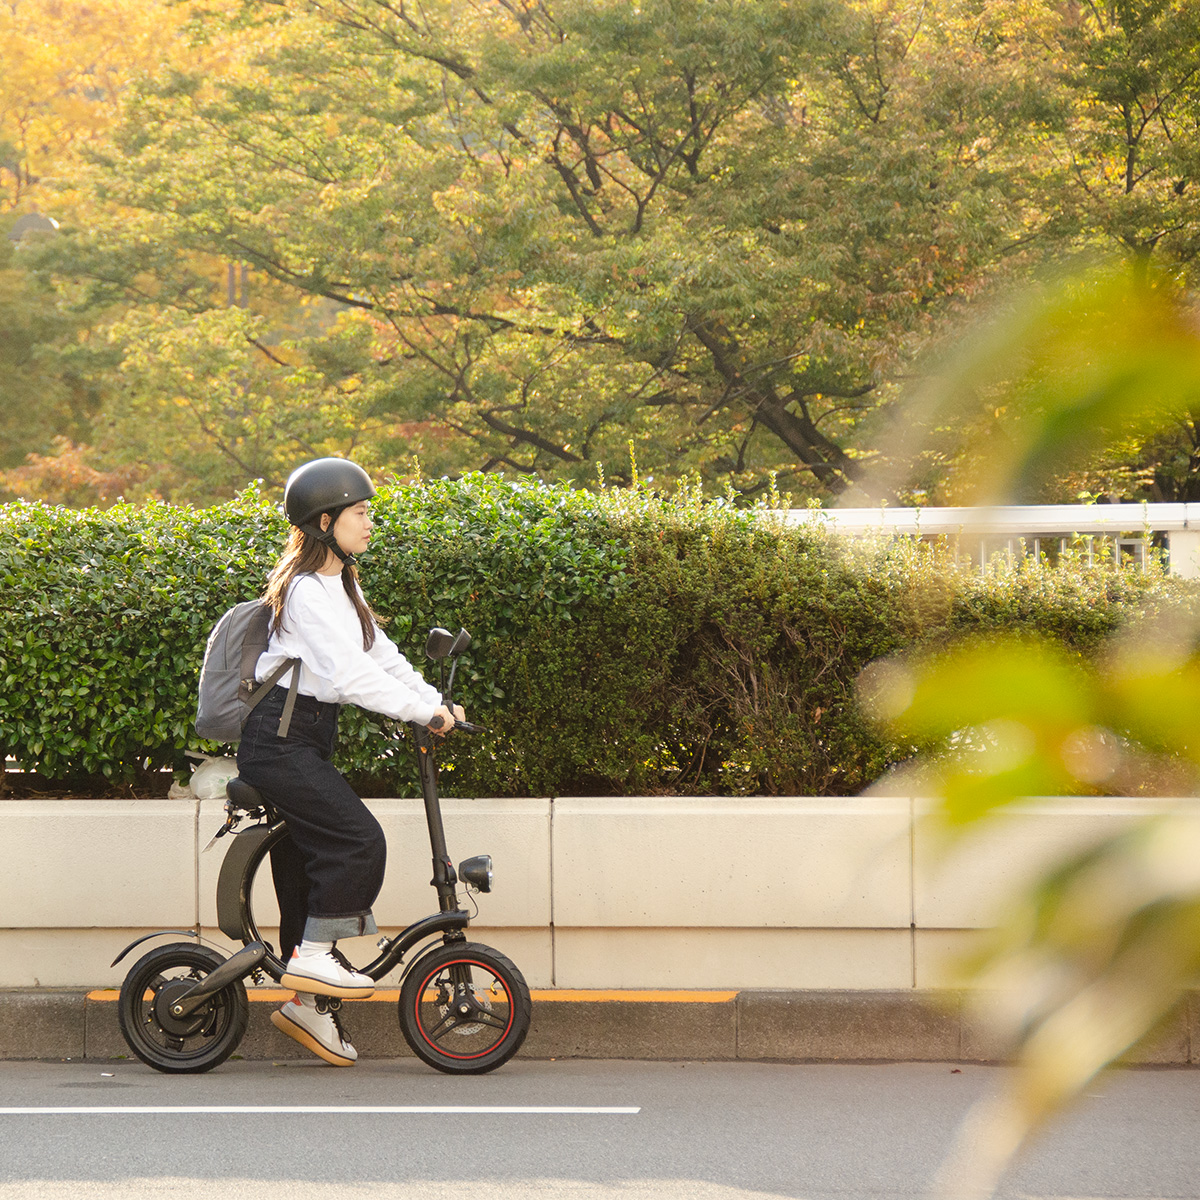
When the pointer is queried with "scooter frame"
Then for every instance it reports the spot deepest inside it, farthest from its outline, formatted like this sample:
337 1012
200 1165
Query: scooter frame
250 846
244 857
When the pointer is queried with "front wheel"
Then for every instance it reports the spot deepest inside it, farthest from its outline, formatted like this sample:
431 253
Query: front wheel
464 1009
197 1041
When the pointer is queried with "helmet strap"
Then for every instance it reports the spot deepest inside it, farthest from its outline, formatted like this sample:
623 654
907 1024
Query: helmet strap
326 538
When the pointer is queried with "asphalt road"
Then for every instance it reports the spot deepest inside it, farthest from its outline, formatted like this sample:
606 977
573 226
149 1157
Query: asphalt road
573 1129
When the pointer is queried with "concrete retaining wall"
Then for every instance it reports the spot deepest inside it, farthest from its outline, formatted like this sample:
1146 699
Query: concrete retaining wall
744 894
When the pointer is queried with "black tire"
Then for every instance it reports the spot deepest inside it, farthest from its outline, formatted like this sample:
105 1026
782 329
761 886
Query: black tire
202 1040
484 981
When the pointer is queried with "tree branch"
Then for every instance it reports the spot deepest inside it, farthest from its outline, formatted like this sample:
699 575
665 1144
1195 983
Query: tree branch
527 436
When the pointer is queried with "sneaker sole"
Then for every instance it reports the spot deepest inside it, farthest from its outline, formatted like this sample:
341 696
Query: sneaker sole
299 1034
321 987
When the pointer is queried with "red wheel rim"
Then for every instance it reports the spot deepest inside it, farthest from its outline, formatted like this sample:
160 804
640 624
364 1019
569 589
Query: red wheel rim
466 962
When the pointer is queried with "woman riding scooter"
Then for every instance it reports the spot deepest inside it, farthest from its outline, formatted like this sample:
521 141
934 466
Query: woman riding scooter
328 874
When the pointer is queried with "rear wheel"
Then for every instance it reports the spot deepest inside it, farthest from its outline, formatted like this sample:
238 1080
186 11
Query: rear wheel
464 1009
193 1042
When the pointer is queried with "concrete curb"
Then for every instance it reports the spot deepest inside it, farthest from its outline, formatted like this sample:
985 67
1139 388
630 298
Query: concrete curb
805 1026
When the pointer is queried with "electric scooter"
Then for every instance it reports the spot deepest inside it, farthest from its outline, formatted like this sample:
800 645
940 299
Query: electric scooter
464 1008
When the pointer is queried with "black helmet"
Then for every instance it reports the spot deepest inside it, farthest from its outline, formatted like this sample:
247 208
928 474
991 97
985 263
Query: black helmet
324 485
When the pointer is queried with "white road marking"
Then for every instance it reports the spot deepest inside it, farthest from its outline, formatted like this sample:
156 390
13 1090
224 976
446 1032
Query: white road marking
114 1109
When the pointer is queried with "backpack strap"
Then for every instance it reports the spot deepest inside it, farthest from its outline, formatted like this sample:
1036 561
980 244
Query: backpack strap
252 698
285 721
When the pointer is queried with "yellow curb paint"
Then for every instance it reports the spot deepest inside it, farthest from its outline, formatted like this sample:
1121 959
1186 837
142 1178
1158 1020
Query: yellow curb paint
652 997
266 995
557 996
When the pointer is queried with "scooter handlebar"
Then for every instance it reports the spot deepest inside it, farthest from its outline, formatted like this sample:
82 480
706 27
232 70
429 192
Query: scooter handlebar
464 726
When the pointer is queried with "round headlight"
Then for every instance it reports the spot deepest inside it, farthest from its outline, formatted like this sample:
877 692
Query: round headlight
477 872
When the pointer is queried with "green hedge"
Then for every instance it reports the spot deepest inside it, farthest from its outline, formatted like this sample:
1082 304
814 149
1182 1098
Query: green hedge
622 643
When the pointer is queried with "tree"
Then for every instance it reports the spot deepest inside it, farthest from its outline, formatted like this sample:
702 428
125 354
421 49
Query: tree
46 373
714 230
1132 81
66 67
204 404
1114 171
721 231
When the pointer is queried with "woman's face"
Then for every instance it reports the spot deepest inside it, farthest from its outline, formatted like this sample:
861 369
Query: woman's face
353 527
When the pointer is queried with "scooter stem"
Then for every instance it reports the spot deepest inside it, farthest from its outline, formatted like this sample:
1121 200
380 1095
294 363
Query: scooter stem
445 879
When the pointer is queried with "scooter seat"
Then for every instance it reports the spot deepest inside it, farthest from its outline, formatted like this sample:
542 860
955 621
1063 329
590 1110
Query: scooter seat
242 795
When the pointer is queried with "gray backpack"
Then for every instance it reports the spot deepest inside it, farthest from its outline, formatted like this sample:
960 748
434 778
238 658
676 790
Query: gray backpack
228 690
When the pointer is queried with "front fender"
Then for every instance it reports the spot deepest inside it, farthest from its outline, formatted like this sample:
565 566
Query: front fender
146 937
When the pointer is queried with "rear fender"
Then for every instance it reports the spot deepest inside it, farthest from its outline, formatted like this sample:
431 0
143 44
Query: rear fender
161 933
237 875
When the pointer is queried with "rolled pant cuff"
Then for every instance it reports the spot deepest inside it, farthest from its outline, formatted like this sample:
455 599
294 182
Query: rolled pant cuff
329 929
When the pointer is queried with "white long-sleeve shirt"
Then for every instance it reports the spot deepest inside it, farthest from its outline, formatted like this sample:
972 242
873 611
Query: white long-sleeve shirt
321 628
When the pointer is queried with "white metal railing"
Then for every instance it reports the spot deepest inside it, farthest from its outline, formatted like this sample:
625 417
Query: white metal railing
1112 534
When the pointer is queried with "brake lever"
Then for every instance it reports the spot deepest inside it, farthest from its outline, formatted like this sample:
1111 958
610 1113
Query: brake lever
468 727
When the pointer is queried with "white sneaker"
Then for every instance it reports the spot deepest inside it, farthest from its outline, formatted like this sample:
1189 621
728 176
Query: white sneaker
326 974
320 1032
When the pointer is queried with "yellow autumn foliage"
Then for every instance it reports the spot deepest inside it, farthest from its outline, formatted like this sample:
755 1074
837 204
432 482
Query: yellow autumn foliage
64 67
